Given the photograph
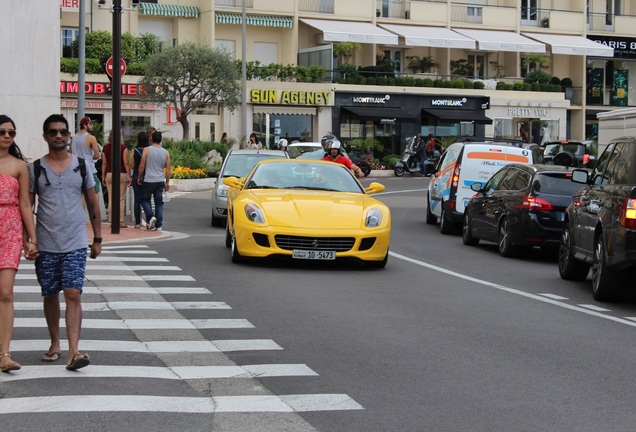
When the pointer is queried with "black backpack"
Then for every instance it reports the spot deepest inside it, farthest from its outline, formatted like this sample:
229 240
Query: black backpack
37 170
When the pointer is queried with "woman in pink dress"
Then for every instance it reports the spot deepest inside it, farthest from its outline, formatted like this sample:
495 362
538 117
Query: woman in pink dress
15 210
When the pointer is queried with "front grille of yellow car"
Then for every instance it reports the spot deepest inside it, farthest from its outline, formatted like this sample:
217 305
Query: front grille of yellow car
338 244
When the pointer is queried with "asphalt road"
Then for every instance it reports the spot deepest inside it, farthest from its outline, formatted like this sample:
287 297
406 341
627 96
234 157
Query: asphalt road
446 338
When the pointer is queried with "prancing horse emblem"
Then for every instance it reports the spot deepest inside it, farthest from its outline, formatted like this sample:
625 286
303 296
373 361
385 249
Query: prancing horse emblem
314 244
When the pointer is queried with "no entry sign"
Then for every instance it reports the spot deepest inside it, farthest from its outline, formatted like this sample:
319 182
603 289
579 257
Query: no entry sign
109 67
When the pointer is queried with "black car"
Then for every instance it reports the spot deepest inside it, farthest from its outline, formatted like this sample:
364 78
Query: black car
520 206
600 223
580 154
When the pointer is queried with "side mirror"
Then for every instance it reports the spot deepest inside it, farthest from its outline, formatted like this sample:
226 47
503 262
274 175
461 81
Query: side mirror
233 182
476 187
580 176
374 187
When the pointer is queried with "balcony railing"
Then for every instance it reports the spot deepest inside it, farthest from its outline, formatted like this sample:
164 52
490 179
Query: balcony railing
600 22
535 17
392 9
234 3
466 13
319 6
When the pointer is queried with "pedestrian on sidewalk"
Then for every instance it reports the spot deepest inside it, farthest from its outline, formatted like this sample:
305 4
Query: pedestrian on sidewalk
124 177
142 143
154 160
59 184
85 145
17 231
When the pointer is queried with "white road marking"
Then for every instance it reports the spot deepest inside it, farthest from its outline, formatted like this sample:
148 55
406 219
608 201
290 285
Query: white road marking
143 403
130 305
153 347
400 191
169 373
513 291
95 277
134 252
595 308
92 267
24 289
172 278
553 296
144 324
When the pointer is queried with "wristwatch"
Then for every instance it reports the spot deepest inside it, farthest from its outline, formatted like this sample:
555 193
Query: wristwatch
97 239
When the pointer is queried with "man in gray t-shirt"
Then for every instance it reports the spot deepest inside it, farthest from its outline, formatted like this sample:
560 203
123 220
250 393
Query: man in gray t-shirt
151 176
62 239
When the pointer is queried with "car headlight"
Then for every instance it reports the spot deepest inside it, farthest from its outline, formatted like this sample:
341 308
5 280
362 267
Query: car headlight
222 191
373 218
254 213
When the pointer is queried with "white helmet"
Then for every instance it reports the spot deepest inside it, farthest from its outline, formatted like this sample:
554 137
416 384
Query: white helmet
334 144
282 143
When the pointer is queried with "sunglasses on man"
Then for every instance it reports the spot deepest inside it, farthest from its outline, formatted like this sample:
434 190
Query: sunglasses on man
53 132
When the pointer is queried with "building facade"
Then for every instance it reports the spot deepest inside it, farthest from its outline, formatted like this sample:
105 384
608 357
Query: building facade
587 45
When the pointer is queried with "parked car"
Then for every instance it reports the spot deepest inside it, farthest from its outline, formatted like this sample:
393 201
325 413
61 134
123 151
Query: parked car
306 150
521 205
237 163
462 164
600 223
570 153
306 210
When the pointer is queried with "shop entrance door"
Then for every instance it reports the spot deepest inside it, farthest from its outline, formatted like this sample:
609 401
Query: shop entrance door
529 130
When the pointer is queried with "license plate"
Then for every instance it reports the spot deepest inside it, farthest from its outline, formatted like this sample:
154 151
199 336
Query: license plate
314 255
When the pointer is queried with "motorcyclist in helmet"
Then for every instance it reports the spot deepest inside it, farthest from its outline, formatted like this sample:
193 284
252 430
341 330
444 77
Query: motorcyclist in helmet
282 144
335 155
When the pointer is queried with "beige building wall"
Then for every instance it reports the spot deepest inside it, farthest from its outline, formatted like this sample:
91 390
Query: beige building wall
30 74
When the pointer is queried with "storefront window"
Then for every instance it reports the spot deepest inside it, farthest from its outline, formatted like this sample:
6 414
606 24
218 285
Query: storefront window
611 82
131 126
503 128
269 128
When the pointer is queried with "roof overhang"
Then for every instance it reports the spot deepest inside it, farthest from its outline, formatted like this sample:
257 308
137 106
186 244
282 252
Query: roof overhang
572 45
458 116
352 31
438 37
492 40
379 113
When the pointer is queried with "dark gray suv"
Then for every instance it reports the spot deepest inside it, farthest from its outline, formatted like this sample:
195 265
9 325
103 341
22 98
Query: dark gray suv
600 222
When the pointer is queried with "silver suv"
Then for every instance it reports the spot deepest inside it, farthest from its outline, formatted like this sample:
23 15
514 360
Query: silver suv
237 163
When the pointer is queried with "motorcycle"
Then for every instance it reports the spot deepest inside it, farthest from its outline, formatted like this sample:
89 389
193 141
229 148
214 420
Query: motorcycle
408 164
362 161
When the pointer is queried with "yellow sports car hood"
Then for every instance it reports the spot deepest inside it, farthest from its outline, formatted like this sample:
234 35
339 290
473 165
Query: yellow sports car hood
314 209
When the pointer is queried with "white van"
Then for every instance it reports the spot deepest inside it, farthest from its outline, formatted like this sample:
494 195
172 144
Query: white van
461 165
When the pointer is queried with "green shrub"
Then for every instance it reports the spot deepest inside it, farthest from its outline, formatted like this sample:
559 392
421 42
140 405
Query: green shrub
534 86
390 81
390 161
419 82
555 80
360 80
501 85
136 68
438 83
457 84
371 80
479 85
527 86
381 80
468 84
518 86
566 82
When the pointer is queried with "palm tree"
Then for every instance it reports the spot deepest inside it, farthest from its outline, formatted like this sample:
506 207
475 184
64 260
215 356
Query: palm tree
535 61
346 50
422 64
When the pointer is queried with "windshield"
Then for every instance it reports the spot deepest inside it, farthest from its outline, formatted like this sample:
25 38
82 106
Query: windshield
239 165
303 175
554 149
297 150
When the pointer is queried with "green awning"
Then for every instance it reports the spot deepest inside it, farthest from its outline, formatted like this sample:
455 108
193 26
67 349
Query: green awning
169 10
255 20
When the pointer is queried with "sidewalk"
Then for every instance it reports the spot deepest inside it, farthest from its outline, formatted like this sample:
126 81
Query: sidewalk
129 234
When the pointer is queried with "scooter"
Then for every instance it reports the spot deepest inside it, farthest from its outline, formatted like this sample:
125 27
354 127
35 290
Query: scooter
362 161
408 165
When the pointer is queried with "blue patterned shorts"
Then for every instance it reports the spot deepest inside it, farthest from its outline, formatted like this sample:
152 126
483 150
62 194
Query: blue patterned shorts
60 271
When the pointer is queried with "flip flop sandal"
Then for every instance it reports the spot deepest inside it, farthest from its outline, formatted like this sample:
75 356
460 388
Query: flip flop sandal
52 357
78 363
12 366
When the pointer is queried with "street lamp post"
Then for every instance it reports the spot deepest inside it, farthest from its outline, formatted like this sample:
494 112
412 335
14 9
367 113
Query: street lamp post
116 9
116 88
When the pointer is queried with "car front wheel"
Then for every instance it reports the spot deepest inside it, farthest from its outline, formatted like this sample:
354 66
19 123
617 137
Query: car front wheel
506 248
606 282
467 234
569 267
236 256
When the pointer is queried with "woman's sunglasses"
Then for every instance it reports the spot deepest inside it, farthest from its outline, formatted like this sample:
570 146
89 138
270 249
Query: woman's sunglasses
9 132
53 132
